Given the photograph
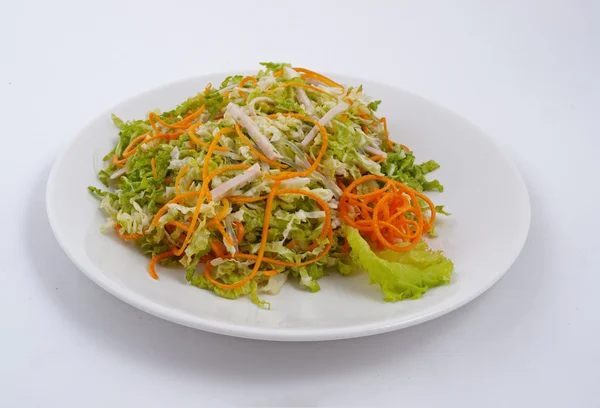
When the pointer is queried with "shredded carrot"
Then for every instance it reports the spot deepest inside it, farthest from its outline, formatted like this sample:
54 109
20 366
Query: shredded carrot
178 225
312 246
218 248
176 199
208 88
272 272
240 231
206 258
244 199
301 85
182 124
381 214
346 247
199 142
221 215
378 158
129 150
153 165
291 244
118 162
156 259
180 175
221 229
125 236
243 81
386 133
311 74
192 226
238 129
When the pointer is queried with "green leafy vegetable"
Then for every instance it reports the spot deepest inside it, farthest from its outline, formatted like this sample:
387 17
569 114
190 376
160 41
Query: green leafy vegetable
400 275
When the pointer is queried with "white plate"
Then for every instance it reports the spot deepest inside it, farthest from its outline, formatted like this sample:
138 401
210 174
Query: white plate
487 230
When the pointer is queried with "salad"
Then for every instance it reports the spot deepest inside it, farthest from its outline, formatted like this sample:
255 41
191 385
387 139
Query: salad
285 175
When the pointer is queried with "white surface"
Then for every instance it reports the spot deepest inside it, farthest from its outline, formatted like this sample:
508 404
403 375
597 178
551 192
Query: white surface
345 307
524 71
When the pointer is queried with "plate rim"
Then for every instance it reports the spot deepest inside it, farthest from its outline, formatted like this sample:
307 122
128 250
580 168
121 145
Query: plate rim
260 333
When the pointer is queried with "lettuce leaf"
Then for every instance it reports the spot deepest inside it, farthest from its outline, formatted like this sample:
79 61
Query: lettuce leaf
401 275
400 165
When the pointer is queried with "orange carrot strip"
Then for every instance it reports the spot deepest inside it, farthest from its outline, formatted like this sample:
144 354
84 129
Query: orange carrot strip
118 162
243 81
174 200
386 133
129 150
155 259
128 153
153 165
291 244
180 175
272 272
240 231
355 183
346 248
243 199
182 124
298 84
178 225
218 248
221 229
312 74
125 236
380 236
199 142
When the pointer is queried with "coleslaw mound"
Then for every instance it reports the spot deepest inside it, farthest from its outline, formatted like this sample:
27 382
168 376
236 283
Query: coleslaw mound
282 175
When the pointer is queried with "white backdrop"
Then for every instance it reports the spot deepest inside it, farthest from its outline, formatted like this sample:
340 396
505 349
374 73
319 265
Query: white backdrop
524 71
